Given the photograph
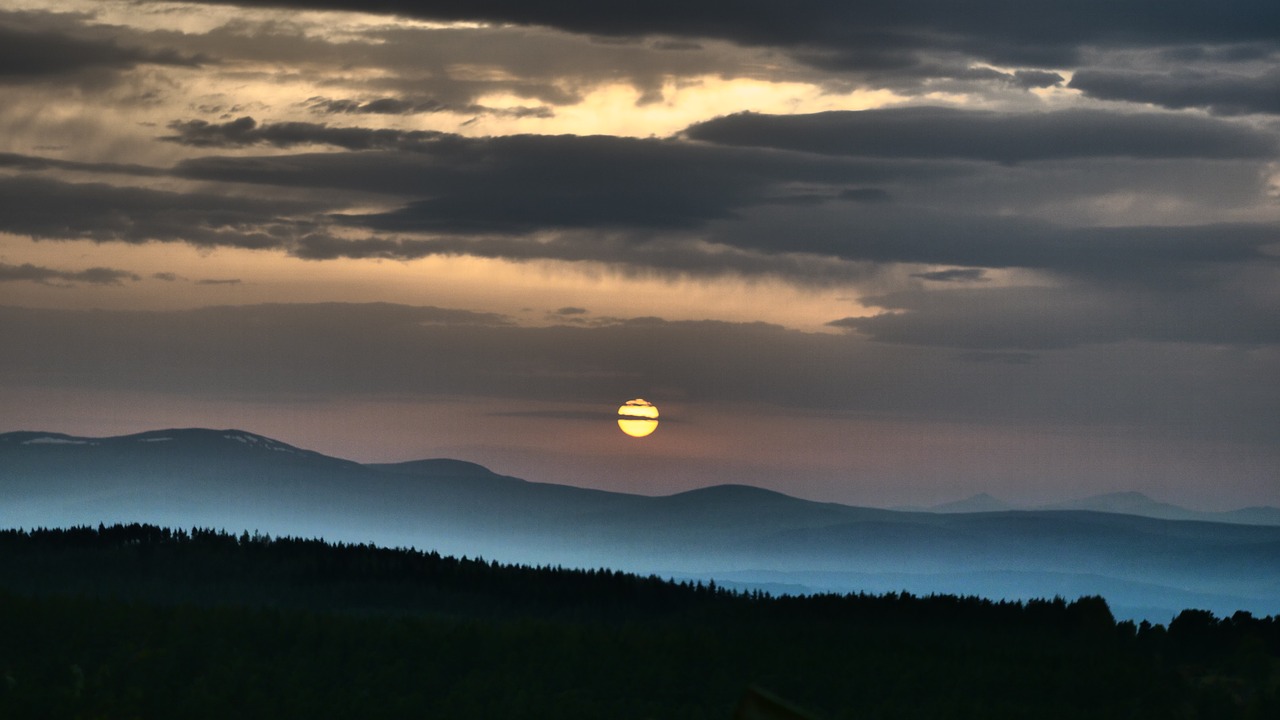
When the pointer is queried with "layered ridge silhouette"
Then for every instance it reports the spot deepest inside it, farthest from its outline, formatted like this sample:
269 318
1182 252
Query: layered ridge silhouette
746 537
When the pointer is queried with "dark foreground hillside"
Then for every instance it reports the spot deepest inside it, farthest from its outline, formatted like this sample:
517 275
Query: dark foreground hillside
142 622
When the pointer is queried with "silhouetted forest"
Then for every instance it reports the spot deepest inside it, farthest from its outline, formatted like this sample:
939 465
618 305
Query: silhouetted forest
145 622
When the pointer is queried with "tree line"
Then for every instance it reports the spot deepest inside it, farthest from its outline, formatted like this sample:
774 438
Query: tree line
139 621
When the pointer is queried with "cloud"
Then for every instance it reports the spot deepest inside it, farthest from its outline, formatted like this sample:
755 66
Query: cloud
524 183
939 132
380 106
43 208
1029 79
35 163
289 353
337 350
44 275
174 277
246 131
908 234
340 349
953 275
572 311
666 205
49 209
864 194
29 55
517 184
540 191
403 106
876 34
1222 93
1039 318
441 160
666 256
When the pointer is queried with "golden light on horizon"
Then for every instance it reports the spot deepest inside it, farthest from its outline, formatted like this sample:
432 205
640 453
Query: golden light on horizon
638 418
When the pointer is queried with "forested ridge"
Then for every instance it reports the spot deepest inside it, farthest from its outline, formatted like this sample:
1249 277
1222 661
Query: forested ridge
139 621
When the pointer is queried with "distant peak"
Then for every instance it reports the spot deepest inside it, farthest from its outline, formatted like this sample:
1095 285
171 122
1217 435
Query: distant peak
243 437
1123 497
1128 503
249 438
982 502
259 442
1126 495
731 490
44 438
179 436
435 467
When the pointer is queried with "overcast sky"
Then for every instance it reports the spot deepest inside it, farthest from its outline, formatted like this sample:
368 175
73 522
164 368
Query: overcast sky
885 253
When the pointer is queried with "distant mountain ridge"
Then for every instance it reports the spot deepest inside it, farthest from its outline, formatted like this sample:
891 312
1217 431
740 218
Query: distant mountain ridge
238 480
982 502
1125 503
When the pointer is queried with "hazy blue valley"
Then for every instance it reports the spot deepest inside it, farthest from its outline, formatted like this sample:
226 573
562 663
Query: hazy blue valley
742 537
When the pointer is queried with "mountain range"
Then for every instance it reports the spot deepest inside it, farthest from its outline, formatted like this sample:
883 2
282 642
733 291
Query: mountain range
1148 567
1127 503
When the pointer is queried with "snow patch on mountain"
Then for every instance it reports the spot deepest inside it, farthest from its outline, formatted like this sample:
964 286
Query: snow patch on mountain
57 441
260 442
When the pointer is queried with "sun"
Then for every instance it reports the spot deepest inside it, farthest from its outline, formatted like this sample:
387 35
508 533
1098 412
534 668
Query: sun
638 418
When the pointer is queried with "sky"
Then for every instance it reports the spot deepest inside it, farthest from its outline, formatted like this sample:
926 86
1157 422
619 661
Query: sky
887 252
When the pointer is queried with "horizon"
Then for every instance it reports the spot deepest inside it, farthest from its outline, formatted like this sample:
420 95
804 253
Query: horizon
1150 560
1061 503
884 254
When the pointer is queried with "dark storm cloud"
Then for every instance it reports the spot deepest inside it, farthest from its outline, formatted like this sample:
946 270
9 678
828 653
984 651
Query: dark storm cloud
33 162
246 131
281 353
174 277
401 106
953 275
439 161
864 194
525 183
939 132
33 54
404 69
1230 52
49 209
1222 93
881 32
1036 318
886 233
520 185
629 255
1029 79
44 208
44 275
629 202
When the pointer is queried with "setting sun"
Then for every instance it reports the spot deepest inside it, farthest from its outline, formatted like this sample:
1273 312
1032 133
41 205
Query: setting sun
638 418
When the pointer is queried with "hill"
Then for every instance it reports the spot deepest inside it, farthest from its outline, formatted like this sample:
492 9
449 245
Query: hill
1124 503
1151 568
